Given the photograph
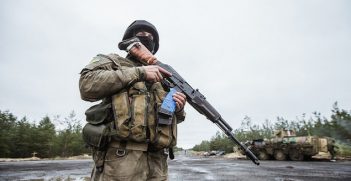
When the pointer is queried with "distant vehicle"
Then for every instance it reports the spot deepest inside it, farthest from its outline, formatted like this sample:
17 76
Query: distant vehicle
214 153
220 153
286 145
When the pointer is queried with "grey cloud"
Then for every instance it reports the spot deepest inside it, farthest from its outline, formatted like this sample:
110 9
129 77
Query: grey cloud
257 58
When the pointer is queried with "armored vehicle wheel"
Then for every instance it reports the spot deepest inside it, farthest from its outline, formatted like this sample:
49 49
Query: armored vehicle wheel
308 157
279 155
262 155
296 156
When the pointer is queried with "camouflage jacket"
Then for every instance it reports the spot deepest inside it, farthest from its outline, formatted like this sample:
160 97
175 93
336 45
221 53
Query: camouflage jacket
106 76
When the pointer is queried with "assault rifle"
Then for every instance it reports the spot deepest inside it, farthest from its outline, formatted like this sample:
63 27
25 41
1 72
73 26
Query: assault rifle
195 99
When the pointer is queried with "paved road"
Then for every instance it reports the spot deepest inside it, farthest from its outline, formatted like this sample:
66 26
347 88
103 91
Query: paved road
224 169
189 168
45 170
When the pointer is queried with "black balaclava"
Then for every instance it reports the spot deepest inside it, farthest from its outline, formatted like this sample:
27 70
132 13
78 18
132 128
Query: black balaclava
147 42
142 25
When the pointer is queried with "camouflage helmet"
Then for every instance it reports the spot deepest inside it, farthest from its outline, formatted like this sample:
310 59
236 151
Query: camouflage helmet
138 25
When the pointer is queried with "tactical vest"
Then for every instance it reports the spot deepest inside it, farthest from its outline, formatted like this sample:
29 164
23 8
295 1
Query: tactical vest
135 111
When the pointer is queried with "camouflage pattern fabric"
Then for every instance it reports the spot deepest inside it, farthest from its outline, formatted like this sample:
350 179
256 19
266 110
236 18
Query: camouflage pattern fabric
115 78
134 165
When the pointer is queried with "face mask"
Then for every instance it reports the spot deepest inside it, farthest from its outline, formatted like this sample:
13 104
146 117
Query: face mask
147 42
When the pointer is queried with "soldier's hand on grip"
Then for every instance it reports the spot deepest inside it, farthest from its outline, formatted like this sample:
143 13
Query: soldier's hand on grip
154 73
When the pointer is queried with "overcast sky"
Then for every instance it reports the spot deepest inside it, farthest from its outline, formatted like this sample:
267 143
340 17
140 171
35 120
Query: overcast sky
258 58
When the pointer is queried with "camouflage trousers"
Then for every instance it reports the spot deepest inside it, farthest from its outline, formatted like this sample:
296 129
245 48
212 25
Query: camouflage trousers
132 165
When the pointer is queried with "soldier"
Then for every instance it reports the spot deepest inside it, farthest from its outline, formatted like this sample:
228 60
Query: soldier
139 145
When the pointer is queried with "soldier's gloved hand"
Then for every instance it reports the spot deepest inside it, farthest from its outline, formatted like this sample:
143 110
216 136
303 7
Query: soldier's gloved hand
154 73
180 100
140 52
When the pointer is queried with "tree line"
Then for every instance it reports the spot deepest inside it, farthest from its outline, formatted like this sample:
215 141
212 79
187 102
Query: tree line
338 126
21 138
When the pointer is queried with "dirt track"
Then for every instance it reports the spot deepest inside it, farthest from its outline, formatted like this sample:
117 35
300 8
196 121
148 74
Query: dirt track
189 168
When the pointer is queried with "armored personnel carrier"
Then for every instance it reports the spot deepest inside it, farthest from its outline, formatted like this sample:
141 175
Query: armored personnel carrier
286 145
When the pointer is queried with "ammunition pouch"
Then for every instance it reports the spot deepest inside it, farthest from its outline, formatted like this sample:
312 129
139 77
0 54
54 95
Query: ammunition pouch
130 110
136 116
165 134
99 113
96 133
96 136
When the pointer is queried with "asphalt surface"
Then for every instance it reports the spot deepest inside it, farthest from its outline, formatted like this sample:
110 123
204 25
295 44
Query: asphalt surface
189 168
192 168
46 170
